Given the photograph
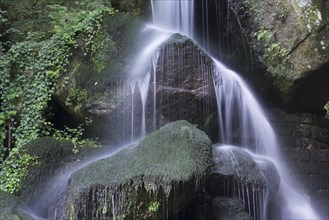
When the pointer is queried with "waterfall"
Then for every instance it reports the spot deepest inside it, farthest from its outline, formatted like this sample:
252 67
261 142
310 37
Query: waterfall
140 74
241 119
174 16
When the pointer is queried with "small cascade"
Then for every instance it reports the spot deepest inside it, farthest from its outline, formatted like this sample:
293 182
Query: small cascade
241 119
246 176
132 87
143 85
140 74
242 122
178 16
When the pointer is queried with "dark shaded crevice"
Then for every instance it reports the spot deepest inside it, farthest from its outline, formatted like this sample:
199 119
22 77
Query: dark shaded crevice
311 93
60 117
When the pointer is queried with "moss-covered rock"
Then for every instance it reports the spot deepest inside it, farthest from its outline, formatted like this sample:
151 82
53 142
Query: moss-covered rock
291 41
135 181
138 8
92 88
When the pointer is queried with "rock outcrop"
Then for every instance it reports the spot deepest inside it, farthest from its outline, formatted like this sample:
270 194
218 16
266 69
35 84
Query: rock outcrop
237 164
165 166
290 39
104 90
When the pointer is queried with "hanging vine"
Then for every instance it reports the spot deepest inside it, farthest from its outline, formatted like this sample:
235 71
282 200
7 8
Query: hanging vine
29 73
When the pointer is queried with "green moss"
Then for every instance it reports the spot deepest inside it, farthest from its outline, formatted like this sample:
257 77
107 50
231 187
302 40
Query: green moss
101 51
176 153
153 206
276 59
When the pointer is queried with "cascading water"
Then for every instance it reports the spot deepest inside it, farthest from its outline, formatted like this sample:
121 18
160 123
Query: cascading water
174 16
239 111
241 119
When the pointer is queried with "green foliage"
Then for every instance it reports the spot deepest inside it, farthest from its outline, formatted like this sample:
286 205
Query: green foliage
153 206
30 70
75 96
75 136
275 57
14 170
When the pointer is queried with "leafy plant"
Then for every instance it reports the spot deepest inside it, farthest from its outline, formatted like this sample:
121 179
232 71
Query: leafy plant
14 170
75 136
153 206
30 70
275 57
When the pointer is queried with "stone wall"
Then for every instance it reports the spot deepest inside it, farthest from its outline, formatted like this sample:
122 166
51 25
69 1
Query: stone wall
305 146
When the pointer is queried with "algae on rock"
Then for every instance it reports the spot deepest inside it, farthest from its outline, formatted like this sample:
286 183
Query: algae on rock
136 180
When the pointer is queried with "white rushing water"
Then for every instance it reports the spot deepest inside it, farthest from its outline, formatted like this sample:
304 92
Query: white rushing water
238 110
174 16
145 66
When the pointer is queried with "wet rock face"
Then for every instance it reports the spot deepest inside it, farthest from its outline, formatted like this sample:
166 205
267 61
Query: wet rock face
239 177
167 163
234 166
228 209
183 89
290 39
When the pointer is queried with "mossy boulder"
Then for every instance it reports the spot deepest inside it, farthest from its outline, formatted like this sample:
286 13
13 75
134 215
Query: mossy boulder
10 207
165 166
290 39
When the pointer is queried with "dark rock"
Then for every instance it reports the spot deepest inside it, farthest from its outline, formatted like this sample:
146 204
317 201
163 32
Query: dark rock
233 164
167 163
228 209
306 153
139 8
184 88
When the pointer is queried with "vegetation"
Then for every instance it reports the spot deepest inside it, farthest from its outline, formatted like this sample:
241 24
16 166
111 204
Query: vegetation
275 57
30 70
